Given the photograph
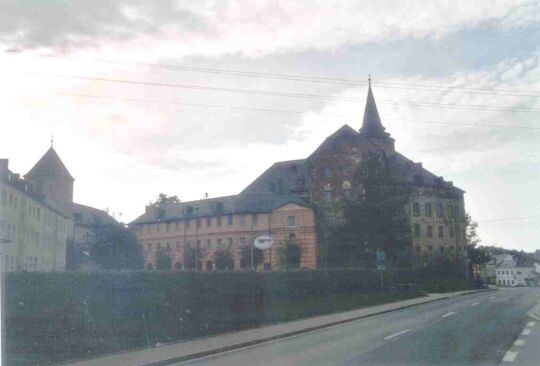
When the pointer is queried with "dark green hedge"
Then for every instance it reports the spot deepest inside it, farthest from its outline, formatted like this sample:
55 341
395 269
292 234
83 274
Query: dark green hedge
52 317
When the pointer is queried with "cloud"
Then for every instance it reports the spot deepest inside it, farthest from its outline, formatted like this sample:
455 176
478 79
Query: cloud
253 28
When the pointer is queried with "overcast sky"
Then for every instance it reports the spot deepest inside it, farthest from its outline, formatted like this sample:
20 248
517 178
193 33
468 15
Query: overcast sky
123 147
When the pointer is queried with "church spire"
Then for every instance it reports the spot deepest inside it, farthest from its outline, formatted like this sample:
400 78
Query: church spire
371 125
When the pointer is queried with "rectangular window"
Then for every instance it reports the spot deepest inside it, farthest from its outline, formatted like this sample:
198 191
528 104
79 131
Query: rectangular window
198 222
451 231
229 242
427 210
416 230
254 219
430 231
219 243
209 243
230 219
441 231
159 246
167 227
208 221
168 245
218 219
328 195
148 228
178 244
149 246
157 228
242 220
291 221
187 223
176 226
450 210
439 210
416 208
242 240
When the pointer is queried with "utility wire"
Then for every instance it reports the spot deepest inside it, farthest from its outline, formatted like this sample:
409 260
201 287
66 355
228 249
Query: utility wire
271 110
320 79
510 218
286 94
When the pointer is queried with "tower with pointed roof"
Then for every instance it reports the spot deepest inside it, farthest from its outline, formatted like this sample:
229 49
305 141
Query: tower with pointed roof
51 179
372 128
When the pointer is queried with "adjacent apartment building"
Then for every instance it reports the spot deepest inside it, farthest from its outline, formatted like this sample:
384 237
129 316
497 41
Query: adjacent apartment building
33 232
231 223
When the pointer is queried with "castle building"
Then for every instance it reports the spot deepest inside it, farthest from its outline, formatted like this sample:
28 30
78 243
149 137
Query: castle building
435 208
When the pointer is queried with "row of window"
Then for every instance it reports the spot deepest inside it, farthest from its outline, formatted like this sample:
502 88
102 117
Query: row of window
509 272
291 223
439 210
417 230
7 198
209 244
430 248
505 282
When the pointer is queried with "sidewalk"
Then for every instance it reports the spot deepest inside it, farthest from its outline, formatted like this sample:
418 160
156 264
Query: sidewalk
181 351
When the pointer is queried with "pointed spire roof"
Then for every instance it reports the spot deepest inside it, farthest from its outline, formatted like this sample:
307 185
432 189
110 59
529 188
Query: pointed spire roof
50 165
372 125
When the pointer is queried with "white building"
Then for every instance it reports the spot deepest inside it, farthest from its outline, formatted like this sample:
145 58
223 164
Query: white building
516 276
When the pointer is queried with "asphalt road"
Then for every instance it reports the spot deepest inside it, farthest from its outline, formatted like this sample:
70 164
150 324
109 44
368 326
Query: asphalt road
476 329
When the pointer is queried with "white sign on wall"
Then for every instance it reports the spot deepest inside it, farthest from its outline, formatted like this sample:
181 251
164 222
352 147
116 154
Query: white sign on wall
263 242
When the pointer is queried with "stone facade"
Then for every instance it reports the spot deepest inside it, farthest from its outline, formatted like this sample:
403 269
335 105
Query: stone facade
330 174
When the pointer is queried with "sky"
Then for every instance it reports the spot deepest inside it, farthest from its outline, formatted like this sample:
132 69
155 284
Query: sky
195 97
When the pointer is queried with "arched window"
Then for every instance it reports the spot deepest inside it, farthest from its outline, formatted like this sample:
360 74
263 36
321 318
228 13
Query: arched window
346 186
178 266
209 266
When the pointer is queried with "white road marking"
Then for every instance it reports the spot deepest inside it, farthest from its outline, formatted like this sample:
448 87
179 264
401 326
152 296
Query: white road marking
531 324
448 314
526 332
519 342
396 334
492 298
509 356
475 303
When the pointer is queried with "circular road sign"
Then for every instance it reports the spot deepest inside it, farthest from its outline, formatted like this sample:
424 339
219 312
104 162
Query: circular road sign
263 242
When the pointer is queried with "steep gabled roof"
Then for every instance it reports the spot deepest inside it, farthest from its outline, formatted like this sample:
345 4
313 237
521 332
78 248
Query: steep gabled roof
335 139
50 165
285 176
87 215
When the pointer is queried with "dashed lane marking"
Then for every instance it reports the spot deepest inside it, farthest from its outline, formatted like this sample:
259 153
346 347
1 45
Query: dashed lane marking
509 356
448 314
519 342
396 334
531 324
475 303
526 332
492 297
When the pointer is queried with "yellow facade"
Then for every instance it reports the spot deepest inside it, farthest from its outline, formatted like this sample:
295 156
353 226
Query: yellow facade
232 231
33 234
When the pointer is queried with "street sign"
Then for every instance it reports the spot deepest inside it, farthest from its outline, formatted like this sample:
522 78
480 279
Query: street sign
380 260
263 242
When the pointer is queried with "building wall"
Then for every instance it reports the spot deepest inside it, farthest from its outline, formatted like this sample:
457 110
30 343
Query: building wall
37 234
230 231
516 276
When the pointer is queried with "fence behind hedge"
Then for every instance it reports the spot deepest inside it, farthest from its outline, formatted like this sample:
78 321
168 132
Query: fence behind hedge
63 316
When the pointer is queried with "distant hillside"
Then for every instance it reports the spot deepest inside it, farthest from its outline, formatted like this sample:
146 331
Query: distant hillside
522 258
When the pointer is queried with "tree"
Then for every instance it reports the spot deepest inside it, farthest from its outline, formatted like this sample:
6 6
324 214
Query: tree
163 260
190 257
374 219
224 259
289 254
114 246
245 256
162 199
471 236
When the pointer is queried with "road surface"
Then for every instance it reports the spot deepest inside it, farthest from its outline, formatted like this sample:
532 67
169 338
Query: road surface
479 329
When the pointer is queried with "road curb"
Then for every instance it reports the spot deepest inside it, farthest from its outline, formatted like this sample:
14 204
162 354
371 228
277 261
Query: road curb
280 336
479 291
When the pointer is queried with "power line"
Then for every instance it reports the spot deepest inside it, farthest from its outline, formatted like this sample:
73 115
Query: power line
510 218
286 94
271 110
320 79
